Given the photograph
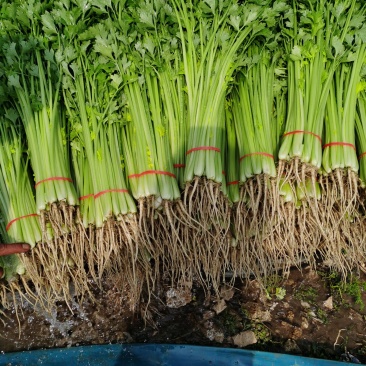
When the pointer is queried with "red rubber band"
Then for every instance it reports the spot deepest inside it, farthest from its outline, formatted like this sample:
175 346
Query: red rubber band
362 155
19 218
256 153
53 178
201 148
305 132
86 197
179 165
339 144
160 172
232 183
110 190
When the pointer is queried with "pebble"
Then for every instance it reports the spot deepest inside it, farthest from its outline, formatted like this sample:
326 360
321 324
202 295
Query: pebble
244 339
209 314
304 323
328 303
227 292
220 306
178 297
290 316
297 333
261 315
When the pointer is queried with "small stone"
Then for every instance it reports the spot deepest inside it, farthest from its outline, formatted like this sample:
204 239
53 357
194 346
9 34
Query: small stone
220 306
209 314
244 339
297 333
178 297
251 291
304 323
227 292
313 275
291 346
210 334
261 315
219 337
328 303
290 316
305 304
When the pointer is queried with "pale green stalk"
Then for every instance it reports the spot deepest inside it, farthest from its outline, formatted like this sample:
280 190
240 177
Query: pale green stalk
361 135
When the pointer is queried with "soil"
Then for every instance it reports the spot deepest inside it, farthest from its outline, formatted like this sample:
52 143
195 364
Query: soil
309 313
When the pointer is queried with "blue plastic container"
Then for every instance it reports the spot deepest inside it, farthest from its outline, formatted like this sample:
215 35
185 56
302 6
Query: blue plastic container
157 354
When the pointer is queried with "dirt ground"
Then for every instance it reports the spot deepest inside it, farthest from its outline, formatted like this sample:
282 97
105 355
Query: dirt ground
310 314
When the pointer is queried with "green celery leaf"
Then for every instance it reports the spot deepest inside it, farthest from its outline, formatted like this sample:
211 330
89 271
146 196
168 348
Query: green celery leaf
338 45
48 23
357 20
13 80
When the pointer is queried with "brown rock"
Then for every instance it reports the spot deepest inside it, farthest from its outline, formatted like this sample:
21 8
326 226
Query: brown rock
328 303
313 275
209 314
261 315
244 339
251 291
178 297
297 333
290 316
220 306
227 292
212 332
304 323
219 337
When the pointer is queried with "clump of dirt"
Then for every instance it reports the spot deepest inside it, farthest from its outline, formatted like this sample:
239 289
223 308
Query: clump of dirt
309 313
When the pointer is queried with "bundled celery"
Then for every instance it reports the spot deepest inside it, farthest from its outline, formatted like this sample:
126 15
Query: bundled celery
148 75
34 79
20 223
314 44
210 37
150 166
341 203
92 95
252 106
